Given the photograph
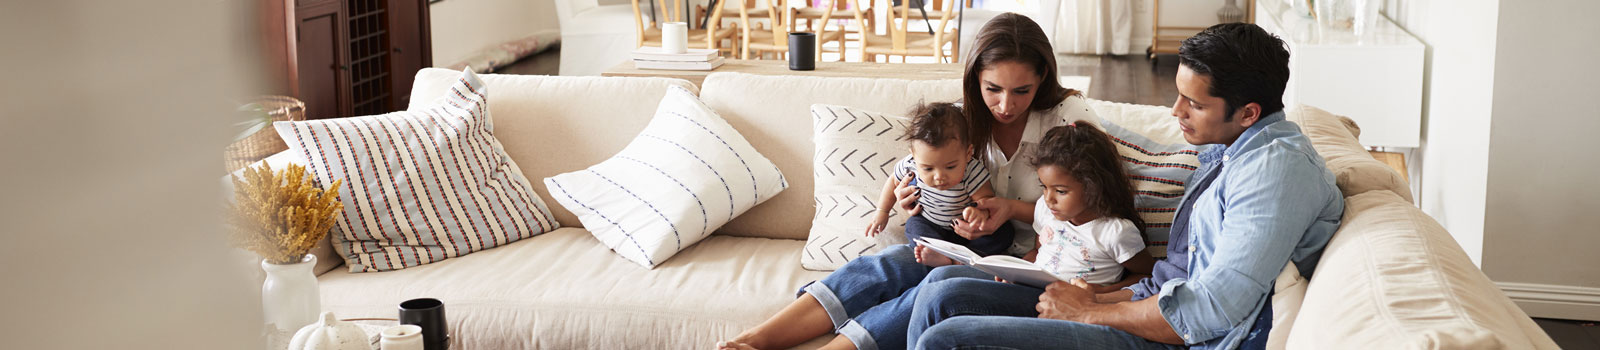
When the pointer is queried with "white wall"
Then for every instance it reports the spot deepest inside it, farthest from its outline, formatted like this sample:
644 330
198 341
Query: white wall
1457 102
1539 234
462 27
1508 120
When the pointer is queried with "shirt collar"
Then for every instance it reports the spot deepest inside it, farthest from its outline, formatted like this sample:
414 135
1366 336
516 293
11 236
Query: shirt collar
1216 151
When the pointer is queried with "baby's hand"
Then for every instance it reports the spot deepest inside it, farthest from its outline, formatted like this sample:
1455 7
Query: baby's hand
878 223
932 258
973 214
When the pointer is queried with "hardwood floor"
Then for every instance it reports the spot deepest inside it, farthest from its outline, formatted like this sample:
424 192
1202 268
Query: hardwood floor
544 63
1128 79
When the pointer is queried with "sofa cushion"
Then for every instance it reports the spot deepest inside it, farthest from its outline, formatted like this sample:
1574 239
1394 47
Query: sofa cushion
1354 169
563 290
684 176
422 185
856 153
551 125
1392 278
1158 159
1288 293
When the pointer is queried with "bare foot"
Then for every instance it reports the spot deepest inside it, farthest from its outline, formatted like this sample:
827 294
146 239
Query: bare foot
733 345
931 258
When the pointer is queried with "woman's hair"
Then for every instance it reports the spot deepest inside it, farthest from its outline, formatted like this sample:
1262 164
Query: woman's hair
1087 154
935 123
1009 38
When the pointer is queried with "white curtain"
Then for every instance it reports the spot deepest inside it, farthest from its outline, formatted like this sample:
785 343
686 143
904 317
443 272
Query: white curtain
1096 27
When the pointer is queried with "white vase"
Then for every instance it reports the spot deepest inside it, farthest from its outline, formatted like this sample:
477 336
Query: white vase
1230 13
289 296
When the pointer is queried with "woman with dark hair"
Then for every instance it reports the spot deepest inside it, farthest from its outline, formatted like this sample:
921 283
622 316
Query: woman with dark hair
1011 96
1012 75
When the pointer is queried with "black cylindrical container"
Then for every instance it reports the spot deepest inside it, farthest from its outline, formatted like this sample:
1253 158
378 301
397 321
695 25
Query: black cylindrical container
802 51
427 313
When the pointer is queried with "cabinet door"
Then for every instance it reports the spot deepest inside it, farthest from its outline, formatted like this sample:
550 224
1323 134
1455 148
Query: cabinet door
320 52
409 40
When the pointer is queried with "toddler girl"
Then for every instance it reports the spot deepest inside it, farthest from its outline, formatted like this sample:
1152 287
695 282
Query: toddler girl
1087 224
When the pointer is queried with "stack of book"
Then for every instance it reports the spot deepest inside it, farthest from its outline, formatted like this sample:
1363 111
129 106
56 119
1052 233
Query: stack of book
650 57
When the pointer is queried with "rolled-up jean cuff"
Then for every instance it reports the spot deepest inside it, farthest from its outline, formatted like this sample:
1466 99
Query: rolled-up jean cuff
830 302
858 335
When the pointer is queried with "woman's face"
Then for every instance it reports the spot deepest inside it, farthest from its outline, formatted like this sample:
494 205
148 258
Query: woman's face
1008 88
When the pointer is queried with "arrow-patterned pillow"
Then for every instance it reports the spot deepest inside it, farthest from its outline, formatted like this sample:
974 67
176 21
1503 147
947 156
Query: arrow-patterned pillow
856 152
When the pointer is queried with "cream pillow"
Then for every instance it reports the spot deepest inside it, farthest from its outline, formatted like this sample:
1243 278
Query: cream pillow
856 151
679 180
1353 168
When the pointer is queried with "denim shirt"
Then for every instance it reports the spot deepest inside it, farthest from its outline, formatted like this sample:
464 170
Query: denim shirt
1273 201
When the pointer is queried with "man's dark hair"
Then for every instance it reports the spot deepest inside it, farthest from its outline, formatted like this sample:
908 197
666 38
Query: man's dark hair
936 123
1246 64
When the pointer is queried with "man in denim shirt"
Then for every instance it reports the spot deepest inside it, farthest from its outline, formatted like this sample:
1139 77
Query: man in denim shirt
1261 199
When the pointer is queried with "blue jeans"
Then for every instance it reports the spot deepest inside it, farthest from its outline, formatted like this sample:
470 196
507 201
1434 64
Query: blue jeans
869 299
994 243
960 307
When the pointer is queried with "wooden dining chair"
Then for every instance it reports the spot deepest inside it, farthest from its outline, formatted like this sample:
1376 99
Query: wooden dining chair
810 16
773 36
902 40
710 37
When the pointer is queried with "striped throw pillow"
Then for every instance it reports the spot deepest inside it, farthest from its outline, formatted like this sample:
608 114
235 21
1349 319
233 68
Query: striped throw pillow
420 186
1159 162
680 179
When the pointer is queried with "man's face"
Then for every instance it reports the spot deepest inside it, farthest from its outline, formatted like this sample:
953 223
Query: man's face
1202 116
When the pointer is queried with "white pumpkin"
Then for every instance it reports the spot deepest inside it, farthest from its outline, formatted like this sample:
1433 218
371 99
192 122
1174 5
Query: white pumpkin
329 333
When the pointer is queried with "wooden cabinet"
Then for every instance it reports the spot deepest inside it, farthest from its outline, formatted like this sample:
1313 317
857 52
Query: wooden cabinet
358 57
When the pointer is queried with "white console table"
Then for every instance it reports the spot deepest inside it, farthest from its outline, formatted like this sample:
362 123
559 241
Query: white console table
1375 78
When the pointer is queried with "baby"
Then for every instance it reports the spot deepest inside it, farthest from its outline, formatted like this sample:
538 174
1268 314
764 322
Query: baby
948 179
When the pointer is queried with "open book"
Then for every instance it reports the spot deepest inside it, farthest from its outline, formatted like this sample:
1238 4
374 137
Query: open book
1006 267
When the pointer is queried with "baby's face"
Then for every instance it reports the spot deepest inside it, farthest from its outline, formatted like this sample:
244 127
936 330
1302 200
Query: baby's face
941 167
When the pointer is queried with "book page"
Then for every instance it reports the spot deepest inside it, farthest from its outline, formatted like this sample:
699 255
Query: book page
1016 270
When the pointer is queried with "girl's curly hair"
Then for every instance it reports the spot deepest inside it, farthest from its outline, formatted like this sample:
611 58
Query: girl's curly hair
1088 155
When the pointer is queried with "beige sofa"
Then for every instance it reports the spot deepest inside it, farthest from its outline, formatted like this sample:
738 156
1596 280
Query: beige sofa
1391 277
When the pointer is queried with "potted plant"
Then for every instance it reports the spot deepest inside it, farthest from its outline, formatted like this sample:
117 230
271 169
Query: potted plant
281 216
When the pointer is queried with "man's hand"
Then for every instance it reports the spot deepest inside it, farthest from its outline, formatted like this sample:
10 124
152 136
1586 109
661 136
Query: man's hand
1070 301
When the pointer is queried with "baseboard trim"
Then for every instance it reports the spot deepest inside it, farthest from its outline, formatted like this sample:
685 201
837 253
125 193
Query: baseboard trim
1555 301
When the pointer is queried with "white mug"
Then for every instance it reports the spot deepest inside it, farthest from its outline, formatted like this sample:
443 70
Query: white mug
675 37
402 337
